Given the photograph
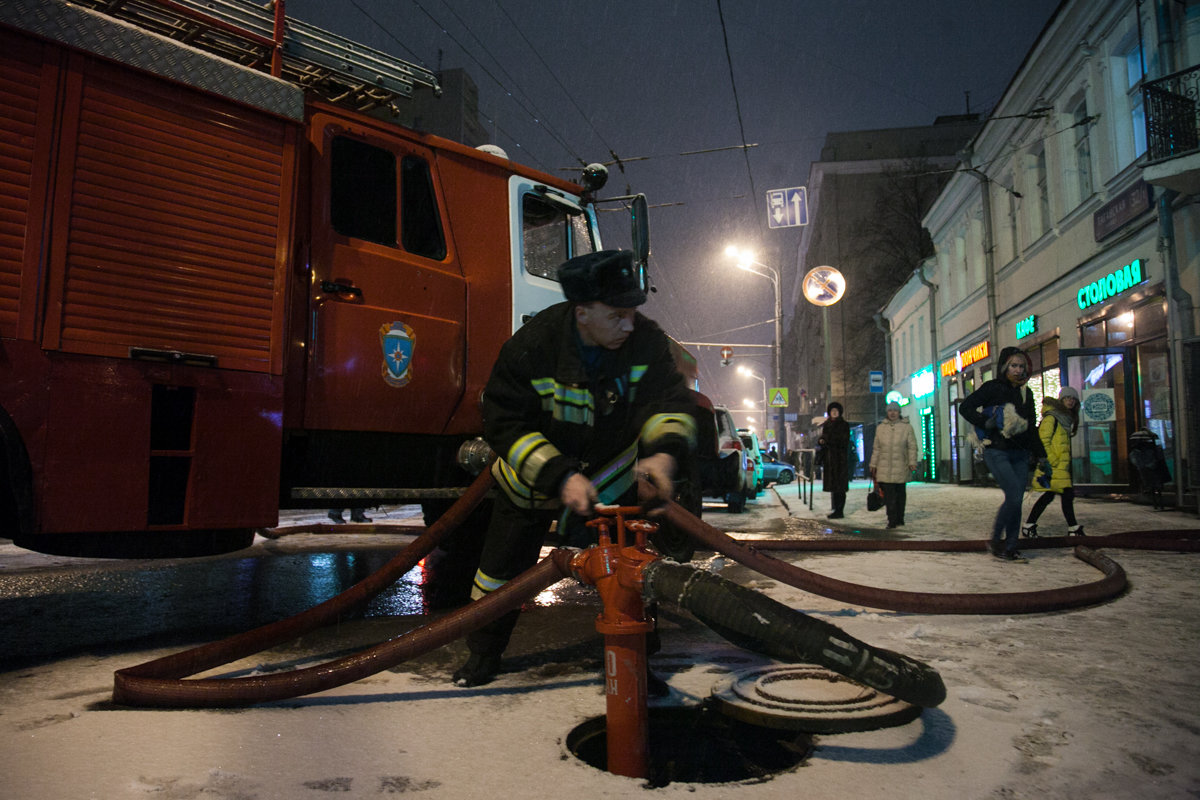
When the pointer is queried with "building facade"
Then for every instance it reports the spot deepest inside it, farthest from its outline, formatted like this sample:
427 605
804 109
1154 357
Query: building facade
867 197
1071 230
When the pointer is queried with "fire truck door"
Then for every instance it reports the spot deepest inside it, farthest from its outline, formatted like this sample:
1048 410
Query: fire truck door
388 300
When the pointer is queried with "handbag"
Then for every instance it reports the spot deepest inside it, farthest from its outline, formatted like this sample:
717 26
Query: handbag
874 498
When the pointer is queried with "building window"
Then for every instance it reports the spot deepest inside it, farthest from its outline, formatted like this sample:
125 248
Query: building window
1083 151
1128 76
1147 321
1042 211
1010 206
1044 382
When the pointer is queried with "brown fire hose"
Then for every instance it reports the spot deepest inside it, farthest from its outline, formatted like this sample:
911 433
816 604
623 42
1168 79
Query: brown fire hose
214 654
750 555
144 686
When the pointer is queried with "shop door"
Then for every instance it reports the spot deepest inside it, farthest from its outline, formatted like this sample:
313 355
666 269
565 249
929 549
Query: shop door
1104 377
962 455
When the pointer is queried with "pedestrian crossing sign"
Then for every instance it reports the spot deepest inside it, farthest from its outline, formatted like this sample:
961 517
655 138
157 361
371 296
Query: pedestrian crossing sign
778 397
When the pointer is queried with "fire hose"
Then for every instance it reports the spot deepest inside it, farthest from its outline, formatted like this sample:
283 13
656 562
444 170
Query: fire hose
1110 585
160 682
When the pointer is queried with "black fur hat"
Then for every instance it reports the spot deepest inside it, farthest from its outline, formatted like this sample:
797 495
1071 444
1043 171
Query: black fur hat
608 276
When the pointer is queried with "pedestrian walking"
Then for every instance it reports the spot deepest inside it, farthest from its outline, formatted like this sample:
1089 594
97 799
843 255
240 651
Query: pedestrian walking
835 458
1060 421
893 461
583 399
1001 411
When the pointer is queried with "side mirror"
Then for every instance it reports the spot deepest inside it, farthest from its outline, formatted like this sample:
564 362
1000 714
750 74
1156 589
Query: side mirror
641 234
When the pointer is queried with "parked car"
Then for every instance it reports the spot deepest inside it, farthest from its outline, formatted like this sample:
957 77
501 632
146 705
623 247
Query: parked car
720 469
754 451
778 472
730 475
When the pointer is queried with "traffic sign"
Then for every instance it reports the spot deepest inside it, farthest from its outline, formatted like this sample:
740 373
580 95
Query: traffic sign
787 208
779 397
876 381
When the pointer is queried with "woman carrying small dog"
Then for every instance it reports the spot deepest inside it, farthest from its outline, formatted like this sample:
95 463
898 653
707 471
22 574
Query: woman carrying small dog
1002 409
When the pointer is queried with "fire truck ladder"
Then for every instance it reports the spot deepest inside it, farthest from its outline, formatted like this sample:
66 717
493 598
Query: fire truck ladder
260 36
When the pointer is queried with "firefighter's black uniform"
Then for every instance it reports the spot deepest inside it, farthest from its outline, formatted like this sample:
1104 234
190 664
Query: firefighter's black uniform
553 407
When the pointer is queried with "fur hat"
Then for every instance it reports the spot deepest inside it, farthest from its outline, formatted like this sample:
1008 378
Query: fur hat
607 276
832 406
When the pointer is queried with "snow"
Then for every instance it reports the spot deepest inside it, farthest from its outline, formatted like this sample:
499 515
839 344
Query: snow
1100 702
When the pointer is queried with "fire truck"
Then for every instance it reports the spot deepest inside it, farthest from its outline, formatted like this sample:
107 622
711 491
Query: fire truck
230 283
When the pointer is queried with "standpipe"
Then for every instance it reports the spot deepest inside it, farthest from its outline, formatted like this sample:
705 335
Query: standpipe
615 569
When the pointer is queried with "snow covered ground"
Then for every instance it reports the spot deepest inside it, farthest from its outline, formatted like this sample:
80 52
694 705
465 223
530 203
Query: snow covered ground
1101 702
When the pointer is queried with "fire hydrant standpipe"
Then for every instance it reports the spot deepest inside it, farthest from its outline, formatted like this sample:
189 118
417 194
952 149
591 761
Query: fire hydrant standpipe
615 569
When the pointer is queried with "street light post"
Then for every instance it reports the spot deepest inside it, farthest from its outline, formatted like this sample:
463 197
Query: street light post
745 260
750 374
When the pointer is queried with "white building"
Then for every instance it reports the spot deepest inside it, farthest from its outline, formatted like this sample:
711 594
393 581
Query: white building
1072 230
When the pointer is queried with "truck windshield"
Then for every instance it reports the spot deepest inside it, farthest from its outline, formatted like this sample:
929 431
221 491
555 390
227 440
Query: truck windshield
550 236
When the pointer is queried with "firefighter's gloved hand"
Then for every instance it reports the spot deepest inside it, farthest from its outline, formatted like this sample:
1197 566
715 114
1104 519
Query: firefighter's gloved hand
578 494
659 470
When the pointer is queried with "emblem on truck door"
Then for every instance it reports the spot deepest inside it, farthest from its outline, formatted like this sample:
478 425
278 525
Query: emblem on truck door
397 341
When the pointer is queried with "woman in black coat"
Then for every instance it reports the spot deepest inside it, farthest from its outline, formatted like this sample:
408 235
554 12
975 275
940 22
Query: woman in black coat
835 454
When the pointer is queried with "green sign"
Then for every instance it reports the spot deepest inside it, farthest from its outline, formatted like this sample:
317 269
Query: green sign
1112 284
1027 326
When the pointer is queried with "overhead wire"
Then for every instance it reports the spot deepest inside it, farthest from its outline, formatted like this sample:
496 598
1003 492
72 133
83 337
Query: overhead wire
737 105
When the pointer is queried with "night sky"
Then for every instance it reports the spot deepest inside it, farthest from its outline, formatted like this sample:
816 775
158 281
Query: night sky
564 82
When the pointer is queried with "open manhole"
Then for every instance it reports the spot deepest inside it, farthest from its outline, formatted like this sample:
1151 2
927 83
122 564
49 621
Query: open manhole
756 724
699 744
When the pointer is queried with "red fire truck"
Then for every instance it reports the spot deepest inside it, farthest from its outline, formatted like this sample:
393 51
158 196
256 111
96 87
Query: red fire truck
228 284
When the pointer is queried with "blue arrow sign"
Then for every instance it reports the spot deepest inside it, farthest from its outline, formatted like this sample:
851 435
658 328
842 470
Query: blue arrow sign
787 208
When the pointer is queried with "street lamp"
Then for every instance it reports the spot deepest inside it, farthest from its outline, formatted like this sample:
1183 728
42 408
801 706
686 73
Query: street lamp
745 260
753 406
750 374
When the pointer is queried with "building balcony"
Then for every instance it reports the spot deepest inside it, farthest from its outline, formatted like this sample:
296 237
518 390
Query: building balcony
1173 131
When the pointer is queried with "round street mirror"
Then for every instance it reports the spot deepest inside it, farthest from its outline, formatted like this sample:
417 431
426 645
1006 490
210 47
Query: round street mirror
824 286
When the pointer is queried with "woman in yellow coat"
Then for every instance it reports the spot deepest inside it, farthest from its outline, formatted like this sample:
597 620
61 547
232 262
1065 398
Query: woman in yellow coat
1060 420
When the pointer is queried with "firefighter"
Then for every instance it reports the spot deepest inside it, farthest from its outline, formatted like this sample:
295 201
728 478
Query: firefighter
582 400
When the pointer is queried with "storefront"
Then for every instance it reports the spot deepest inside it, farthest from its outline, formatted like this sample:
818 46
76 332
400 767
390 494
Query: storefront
1122 370
960 375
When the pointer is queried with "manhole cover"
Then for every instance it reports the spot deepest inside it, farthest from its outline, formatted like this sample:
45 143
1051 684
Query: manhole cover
801 697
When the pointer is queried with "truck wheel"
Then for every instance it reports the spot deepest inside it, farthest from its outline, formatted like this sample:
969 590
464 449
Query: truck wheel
736 501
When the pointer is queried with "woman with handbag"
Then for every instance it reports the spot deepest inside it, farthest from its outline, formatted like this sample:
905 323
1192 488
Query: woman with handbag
893 461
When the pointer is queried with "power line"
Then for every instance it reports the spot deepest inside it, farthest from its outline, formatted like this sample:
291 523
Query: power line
737 106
